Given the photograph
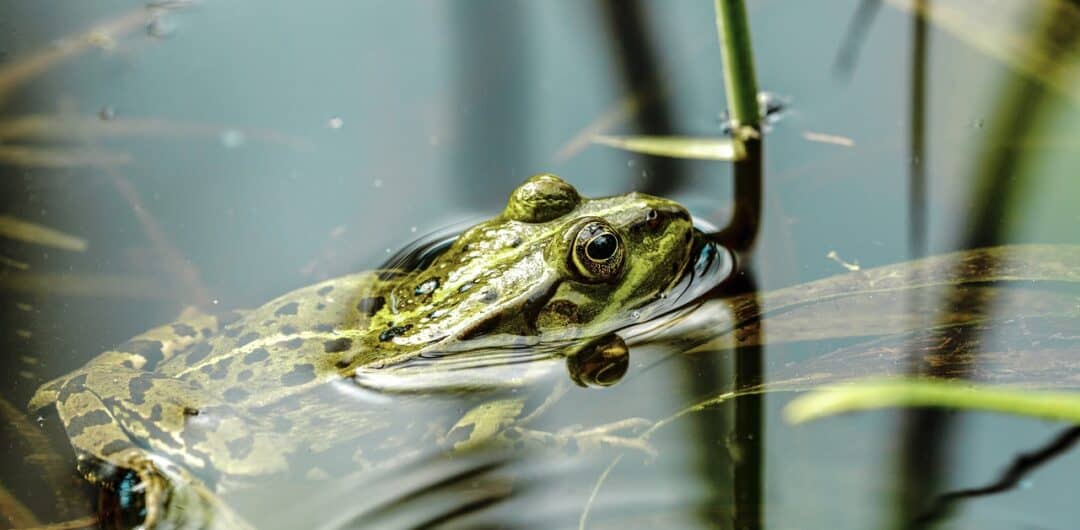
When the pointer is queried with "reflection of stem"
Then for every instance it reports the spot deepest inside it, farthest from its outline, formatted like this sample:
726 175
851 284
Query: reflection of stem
855 36
917 163
742 229
749 432
640 71
1021 466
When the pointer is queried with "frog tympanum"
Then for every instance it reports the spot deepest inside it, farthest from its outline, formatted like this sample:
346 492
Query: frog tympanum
224 396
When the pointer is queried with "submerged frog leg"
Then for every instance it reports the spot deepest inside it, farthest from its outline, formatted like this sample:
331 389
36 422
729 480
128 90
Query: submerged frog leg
159 428
102 446
144 351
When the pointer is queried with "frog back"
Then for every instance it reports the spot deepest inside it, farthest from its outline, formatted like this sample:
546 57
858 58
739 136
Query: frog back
294 341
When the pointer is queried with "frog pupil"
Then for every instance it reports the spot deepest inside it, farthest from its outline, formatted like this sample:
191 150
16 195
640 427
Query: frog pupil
601 247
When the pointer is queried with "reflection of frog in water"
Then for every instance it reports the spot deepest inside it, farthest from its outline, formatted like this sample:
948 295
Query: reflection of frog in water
226 396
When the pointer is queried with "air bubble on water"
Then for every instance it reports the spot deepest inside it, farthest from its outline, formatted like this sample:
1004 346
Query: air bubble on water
635 315
215 301
389 250
412 229
979 123
335 123
232 138
630 163
377 183
106 113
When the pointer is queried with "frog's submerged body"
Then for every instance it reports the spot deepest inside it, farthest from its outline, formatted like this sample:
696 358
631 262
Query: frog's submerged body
232 396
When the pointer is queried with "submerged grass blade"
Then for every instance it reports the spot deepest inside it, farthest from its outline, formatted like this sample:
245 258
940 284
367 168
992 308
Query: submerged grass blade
59 158
678 146
870 395
18 229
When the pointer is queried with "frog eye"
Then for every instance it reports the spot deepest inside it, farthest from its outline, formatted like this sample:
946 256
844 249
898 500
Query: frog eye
598 252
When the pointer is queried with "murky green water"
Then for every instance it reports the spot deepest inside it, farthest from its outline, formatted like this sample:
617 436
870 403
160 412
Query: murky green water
234 151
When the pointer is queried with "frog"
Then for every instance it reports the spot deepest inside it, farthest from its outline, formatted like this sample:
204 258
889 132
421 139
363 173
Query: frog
231 392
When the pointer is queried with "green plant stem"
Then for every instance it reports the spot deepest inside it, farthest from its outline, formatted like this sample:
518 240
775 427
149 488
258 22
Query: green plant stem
933 393
738 57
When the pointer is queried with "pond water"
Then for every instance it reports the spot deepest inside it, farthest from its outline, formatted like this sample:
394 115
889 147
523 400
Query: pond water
215 155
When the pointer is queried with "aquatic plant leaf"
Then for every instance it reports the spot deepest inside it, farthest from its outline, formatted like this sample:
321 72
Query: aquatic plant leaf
18 229
887 300
83 285
875 394
696 148
60 158
51 127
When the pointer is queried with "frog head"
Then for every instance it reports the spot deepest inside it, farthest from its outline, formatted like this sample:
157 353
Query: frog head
552 264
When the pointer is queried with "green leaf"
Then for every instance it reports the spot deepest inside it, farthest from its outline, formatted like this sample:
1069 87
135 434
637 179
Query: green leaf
695 148
877 394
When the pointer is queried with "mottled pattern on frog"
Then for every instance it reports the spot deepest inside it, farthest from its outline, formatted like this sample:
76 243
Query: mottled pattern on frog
237 395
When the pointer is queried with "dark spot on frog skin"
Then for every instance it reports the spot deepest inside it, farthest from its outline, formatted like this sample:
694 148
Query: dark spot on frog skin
114 447
247 338
77 382
94 418
127 364
393 331
288 329
325 290
206 332
244 375
299 375
221 369
294 344
342 364
184 330
241 447
427 287
370 306
337 345
156 413
320 306
257 355
324 328
512 434
235 395
137 388
287 309
233 331
197 353
147 349
191 411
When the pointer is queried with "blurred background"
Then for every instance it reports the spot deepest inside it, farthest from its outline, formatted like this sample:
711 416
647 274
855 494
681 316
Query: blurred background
169 154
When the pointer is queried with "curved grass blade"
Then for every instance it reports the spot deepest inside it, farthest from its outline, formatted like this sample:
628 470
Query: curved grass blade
876 394
689 147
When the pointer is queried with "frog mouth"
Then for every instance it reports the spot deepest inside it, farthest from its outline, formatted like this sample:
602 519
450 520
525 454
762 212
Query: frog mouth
709 264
